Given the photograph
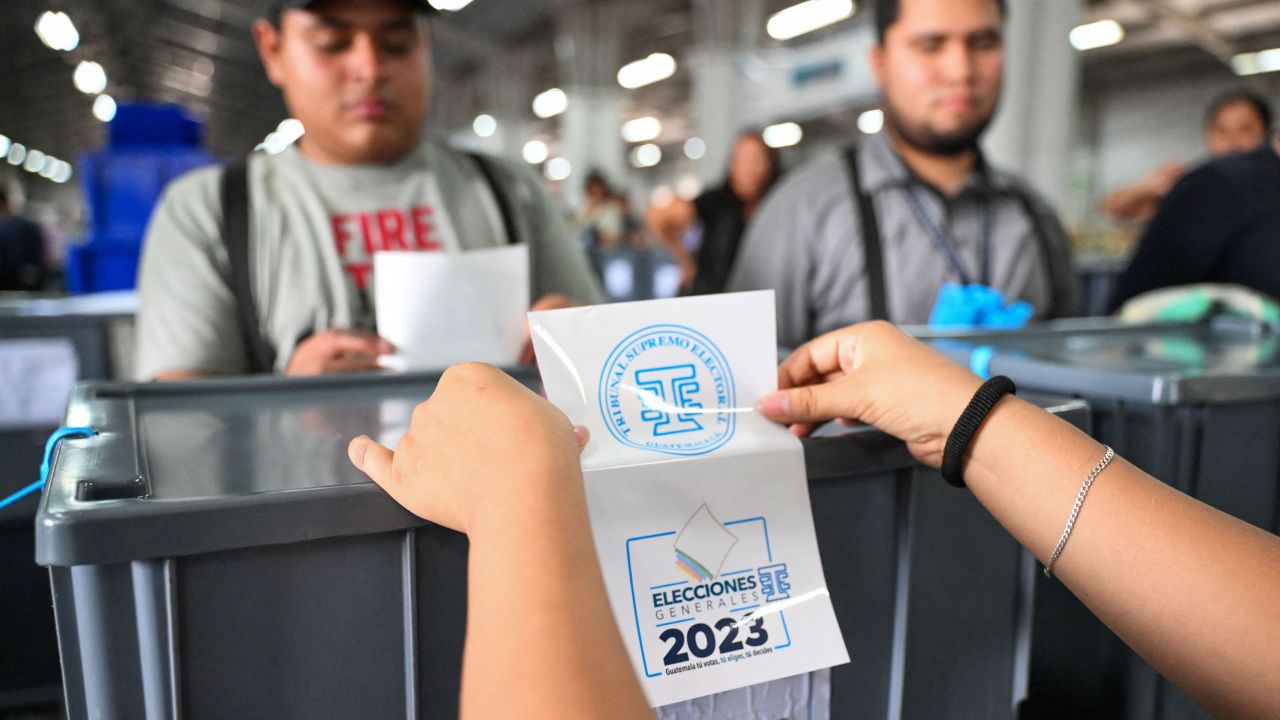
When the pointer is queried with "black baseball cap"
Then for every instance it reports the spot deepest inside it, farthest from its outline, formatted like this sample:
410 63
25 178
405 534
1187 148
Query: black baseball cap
279 6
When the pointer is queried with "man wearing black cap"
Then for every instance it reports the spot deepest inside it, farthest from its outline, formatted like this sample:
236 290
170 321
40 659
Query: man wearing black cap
360 180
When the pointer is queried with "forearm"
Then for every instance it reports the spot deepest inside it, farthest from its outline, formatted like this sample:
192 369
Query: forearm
1189 588
541 637
1136 202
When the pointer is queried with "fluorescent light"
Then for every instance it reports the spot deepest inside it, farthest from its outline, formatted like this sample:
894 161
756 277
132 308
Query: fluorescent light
104 108
5 142
35 161
63 173
871 122
535 152
1096 35
550 103
646 155
641 129
90 78
695 148
782 135
807 17
484 125
449 5
557 169
57 31
1256 63
50 167
17 153
658 66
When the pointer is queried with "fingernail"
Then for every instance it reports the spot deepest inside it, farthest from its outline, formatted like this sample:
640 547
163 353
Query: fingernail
356 450
775 405
582 434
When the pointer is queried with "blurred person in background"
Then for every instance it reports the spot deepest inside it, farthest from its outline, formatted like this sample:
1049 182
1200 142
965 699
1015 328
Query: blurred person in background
1219 224
23 265
1236 121
601 219
362 179
878 231
717 218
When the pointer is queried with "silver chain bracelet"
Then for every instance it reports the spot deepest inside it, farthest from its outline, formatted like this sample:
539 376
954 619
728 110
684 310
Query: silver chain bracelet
1075 510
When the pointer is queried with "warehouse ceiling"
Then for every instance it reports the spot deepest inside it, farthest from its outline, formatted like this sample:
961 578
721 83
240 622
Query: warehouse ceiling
199 53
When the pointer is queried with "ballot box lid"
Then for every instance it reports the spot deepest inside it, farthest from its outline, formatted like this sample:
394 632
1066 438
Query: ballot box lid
1159 364
182 468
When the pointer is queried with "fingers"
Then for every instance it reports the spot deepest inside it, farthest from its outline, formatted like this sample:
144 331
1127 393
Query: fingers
555 301
583 435
349 365
371 459
817 359
811 403
348 342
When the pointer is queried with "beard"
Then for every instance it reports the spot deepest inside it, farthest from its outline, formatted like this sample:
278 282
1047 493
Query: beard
925 139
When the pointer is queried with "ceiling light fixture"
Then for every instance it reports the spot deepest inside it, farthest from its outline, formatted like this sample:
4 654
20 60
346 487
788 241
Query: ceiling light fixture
90 78
550 103
1256 63
658 66
782 135
807 17
641 129
1096 34
57 32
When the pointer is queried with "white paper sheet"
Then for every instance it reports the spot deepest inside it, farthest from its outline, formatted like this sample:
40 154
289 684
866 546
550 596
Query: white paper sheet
37 376
699 506
442 308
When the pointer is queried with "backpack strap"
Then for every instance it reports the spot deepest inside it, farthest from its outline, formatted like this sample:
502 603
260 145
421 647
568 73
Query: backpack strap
872 251
235 234
488 169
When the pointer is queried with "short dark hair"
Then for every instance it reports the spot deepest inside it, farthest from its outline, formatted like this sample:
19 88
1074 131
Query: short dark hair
887 12
1240 95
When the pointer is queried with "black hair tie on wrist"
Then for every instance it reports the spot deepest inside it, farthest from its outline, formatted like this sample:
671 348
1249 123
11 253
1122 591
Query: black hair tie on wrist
967 426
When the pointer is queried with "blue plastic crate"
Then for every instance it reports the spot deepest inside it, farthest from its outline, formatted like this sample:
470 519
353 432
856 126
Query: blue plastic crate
102 266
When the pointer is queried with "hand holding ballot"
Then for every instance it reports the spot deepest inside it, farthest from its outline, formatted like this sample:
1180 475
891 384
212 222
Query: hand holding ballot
873 373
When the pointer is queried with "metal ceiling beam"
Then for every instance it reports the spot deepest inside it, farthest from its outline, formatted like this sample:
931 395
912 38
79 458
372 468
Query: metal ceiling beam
1198 31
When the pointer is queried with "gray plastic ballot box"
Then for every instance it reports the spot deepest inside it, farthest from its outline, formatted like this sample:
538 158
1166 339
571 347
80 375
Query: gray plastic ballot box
214 555
1195 405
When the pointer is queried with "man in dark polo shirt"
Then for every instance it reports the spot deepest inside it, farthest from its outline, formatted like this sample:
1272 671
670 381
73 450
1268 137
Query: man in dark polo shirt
1219 224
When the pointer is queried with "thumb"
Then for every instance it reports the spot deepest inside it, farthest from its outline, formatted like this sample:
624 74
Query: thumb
371 458
808 404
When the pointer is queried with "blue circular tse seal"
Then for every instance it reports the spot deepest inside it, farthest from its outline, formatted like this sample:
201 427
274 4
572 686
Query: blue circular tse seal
653 374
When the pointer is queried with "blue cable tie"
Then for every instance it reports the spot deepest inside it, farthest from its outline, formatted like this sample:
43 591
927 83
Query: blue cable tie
980 361
33 487
59 434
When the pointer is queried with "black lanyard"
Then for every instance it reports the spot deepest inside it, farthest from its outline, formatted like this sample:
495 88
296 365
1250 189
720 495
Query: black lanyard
944 243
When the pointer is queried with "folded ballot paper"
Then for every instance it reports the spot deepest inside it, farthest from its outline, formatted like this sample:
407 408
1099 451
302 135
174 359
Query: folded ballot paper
699 505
